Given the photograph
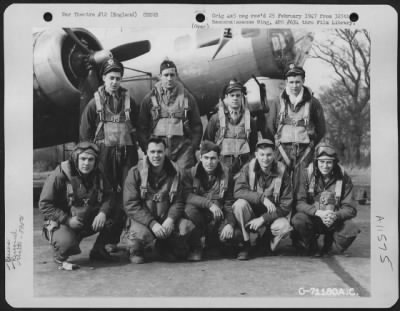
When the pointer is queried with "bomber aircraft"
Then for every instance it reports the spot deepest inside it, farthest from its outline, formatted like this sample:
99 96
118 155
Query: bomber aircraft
65 76
66 63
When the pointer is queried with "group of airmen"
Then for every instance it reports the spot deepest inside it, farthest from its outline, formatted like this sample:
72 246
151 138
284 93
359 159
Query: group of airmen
247 191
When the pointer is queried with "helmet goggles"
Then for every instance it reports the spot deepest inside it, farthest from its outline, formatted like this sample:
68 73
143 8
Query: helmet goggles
87 147
326 152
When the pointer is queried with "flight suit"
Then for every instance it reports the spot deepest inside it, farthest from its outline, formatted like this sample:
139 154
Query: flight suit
110 123
314 194
237 140
175 117
203 190
148 199
67 193
252 186
298 129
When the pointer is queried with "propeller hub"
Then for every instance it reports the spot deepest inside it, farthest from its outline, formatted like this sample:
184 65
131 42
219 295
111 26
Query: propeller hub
99 57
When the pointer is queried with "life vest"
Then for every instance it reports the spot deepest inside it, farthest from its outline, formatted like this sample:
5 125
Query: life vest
233 139
212 195
78 195
293 126
117 127
311 185
166 194
169 119
277 181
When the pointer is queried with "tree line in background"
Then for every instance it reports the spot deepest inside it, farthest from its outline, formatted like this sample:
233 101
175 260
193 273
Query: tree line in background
346 101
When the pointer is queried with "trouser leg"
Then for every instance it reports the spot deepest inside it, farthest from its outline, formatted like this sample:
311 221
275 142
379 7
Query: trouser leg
345 234
243 214
185 238
137 237
197 216
306 229
112 230
65 242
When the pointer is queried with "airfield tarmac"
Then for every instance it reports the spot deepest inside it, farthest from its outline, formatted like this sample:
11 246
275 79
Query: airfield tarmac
282 275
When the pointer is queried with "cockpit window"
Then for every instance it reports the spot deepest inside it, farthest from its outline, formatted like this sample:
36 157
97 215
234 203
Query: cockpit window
278 42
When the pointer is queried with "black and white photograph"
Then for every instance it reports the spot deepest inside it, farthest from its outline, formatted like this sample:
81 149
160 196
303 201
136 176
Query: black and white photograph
231 157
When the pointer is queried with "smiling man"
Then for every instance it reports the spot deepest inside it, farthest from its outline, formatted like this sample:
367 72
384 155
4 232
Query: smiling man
76 202
169 111
154 202
264 197
325 205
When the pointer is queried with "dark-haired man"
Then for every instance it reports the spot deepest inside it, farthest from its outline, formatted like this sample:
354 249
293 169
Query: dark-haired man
77 202
233 128
209 198
154 202
109 120
264 198
300 124
170 111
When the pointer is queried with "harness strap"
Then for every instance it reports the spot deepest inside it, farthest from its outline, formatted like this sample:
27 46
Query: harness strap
338 188
196 181
223 186
185 106
306 115
154 102
222 122
175 184
284 154
311 178
100 191
247 123
99 106
70 190
99 110
144 174
127 104
278 181
252 175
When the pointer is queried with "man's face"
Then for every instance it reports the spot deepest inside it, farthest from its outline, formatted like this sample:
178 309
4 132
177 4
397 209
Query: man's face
295 84
234 99
265 156
156 154
325 166
86 162
210 161
112 81
168 78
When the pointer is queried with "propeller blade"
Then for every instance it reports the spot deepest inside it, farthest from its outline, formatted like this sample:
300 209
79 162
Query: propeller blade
209 43
131 50
72 35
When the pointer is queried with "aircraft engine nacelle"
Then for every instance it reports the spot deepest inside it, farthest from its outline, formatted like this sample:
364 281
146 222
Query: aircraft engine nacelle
57 67
257 95
264 107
